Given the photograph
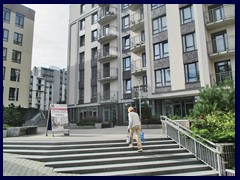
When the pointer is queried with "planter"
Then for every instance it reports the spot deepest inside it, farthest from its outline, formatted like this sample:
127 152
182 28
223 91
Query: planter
98 125
4 133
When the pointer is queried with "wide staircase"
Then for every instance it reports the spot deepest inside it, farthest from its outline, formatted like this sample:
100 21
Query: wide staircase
160 157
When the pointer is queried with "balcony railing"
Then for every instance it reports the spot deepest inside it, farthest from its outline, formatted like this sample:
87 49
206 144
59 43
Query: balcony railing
107 53
137 21
108 74
143 91
137 43
138 66
219 14
107 33
108 97
219 78
107 14
221 45
135 6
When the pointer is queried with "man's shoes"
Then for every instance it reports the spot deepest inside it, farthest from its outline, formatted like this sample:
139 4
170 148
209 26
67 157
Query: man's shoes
131 146
140 150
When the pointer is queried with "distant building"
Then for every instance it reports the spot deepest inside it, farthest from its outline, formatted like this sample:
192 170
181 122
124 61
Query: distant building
48 85
167 51
18 25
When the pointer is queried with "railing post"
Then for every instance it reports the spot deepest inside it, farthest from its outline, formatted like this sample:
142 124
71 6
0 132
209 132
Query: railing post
179 139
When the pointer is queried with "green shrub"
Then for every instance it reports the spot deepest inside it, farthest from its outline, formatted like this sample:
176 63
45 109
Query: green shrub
5 126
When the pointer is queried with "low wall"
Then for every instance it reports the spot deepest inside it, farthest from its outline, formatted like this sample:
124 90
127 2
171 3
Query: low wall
21 131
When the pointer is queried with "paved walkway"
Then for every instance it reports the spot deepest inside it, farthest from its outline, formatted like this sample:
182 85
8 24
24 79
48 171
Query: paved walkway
14 166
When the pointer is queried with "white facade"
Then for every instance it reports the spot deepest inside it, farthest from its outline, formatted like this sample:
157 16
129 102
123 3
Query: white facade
168 51
18 25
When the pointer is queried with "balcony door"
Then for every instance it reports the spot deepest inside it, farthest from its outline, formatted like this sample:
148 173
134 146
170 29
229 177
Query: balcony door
220 43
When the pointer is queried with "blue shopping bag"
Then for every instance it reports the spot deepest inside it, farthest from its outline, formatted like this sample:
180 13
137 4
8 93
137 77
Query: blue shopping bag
142 136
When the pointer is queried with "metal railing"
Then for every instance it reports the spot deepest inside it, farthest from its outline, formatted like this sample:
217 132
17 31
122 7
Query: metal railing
219 78
205 150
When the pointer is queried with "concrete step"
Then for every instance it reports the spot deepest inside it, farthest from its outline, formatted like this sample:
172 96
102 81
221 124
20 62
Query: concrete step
195 173
117 160
126 166
90 150
47 158
153 171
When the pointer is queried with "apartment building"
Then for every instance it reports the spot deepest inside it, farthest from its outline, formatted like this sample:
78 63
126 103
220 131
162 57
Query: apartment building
48 85
122 55
18 25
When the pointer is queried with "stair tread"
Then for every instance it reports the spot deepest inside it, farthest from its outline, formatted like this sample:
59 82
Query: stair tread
196 173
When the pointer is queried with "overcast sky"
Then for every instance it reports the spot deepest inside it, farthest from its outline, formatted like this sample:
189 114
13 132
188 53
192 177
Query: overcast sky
50 35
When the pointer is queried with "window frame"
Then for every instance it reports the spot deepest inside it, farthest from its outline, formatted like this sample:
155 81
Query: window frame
18 39
16 56
94 18
94 35
82 8
189 78
127 66
159 24
82 24
5 34
19 20
162 46
162 78
128 86
126 42
6 15
82 41
186 46
125 22
4 53
185 20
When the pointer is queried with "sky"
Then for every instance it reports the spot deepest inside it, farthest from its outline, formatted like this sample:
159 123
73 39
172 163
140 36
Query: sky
50 35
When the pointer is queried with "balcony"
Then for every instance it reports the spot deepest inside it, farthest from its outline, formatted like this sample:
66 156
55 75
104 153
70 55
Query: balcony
107 53
108 97
138 67
133 7
137 44
107 14
219 17
143 92
107 34
222 47
137 21
107 74
219 78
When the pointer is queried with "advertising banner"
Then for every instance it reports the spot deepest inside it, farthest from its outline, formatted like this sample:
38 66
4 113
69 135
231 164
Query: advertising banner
59 116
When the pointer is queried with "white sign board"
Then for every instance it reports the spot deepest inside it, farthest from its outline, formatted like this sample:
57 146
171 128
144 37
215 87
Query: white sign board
59 116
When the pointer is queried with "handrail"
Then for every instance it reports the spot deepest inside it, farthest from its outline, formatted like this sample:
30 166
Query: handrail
208 153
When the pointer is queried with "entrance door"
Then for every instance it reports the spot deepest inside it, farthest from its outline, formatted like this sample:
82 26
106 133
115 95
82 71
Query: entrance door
106 115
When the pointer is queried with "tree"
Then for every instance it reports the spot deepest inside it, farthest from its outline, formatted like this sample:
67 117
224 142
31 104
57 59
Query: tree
13 115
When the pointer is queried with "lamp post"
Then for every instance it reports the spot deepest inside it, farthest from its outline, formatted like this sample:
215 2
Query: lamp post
139 98
17 72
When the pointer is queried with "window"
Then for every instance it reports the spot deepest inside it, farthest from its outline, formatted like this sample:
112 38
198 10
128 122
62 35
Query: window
81 94
12 93
5 34
223 70
94 91
94 35
124 6
216 12
19 21
81 73
144 60
94 53
162 77
159 24
106 70
15 75
82 8
186 14
94 72
125 22
106 91
220 41
127 63
16 56
4 53
6 15
126 42
106 49
94 18
189 42
81 57
106 30
155 6
160 50
128 86
191 72
82 40
18 38
82 24
4 69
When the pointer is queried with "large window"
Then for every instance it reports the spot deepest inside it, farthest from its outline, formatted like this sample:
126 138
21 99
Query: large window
125 22
162 77
82 40
94 18
127 63
5 34
191 72
18 39
160 50
126 42
6 15
94 35
186 14
159 24
128 86
16 56
12 93
4 53
19 21
82 24
189 42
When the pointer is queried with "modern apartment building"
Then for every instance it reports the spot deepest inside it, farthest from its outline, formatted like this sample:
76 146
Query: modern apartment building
160 54
48 85
18 25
